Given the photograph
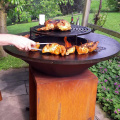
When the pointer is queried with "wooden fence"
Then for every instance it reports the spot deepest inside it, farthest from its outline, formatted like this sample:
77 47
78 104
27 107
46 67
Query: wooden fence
105 30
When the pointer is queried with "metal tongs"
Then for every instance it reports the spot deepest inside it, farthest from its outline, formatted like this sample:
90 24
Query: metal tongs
40 44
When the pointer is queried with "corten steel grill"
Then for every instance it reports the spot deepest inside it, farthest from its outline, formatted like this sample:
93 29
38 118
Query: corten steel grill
60 97
72 64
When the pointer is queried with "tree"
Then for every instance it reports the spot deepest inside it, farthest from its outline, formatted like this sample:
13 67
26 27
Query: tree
4 6
98 18
71 6
49 8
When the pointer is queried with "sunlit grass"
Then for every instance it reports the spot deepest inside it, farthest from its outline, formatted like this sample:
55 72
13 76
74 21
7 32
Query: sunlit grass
19 28
11 62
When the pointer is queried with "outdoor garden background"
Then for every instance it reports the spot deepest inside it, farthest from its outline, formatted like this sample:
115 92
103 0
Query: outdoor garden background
23 14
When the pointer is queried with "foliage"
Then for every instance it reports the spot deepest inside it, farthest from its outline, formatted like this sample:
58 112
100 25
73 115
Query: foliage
102 19
108 94
31 9
113 5
49 8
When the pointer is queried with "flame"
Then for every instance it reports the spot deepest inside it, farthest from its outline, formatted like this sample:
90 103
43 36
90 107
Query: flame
67 44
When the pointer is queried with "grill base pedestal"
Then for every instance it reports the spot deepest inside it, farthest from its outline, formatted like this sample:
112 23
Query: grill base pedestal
66 98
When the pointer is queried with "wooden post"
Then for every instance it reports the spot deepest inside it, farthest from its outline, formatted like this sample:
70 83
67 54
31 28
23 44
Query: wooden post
86 13
66 98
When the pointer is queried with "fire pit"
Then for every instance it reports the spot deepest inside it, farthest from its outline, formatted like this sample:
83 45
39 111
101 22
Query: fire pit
69 93
73 64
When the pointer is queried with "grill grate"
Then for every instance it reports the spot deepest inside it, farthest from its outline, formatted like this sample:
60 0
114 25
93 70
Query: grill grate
75 31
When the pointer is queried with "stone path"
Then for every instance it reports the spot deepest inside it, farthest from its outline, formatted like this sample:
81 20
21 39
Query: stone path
14 86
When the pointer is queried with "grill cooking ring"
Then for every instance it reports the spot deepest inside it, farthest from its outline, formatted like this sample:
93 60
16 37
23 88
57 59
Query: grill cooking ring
68 65
75 31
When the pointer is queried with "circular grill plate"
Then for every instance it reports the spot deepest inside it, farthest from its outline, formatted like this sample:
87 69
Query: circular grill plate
73 64
75 31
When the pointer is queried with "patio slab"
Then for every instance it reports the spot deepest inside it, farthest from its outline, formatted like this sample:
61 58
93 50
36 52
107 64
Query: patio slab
12 89
13 108
14 86
13 75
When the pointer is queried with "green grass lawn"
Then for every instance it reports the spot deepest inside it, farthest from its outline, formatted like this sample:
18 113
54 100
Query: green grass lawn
11 62
19 28
95 5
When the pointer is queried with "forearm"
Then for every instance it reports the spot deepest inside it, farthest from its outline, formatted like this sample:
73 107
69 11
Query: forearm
20 42
7 39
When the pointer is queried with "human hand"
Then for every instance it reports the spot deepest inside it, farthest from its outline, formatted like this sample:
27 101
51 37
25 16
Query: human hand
23 43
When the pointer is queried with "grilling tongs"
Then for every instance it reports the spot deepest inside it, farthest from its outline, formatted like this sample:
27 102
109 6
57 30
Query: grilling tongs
40 44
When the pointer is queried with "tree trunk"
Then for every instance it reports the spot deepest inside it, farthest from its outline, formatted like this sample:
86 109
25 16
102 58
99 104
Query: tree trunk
3 27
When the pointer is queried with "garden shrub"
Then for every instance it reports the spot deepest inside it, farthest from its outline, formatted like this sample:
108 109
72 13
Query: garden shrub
108 92
25 17
9 21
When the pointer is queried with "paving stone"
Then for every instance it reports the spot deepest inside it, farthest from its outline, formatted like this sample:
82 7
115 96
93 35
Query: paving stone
12 89
14 114
27 69
101 115
19 102
14 108
14 76
13 70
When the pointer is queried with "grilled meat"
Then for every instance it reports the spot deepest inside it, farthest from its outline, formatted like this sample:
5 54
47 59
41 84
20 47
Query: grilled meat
93 46
87 47
70 50
46 49
82 50
54 48
58 49
36 46
62 50
61 25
